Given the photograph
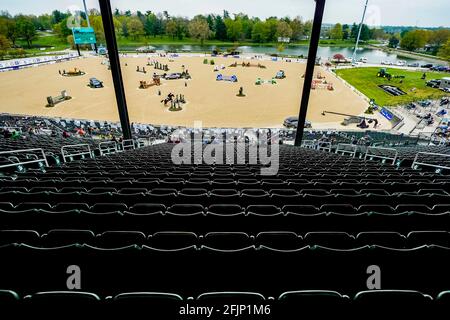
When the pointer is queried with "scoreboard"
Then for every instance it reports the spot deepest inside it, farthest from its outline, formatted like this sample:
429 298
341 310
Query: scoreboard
83 36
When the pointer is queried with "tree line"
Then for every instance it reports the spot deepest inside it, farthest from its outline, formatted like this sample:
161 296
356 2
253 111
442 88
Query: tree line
225 27
435 41
143 26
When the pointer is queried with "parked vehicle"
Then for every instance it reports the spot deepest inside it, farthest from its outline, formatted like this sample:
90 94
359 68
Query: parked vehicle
173 76
440 68
95 83
428 66
435 83
444 101
414 65
292 122
425 103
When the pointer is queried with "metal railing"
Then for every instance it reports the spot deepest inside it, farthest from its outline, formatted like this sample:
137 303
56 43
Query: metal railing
308 144
323 146
371 153
108 147
416 163
75 146
141 142
345 148
128 144
27 154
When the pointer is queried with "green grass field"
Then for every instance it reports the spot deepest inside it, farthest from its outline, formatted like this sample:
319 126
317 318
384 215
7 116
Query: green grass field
51 43
141 41
367 82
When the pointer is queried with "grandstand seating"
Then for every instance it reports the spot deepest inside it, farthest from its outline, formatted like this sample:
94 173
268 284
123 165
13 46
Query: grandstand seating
155 227
207 234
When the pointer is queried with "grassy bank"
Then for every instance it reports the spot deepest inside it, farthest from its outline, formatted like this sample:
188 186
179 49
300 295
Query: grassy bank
367 82
411 54
51 43
143 41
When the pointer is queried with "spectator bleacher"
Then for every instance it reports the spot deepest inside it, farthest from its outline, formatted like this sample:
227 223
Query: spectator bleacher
158 228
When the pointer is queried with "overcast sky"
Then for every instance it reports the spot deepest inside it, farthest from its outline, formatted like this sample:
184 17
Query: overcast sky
380 12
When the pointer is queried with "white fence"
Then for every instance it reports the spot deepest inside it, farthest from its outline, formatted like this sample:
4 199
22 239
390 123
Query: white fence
16 64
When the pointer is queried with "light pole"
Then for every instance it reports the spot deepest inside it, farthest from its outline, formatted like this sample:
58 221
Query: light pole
359 32
88 23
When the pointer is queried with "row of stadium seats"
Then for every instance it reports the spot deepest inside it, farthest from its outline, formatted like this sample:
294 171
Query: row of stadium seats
277 197
279 240
94 199
291 303
46 142
203 187
225 217
192 271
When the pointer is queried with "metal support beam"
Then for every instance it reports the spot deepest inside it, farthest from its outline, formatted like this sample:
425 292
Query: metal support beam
110 36
313 45
359 33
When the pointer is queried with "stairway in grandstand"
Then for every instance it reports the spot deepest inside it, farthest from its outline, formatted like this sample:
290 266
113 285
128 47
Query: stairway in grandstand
166 232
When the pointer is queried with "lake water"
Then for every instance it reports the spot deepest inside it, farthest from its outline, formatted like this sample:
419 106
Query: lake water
372 55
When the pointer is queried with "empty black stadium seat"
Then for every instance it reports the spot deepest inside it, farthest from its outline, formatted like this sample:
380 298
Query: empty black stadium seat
119 239
336 240
317 302
338 208
29 237
192 195
406 302
443 300
163 195
225 209
280 240
385 239
34 206
108 207
8 300
227 240
49 303
147 208
420 238
150 303
250 196
264 210
217 299
300 210
173 240
59 238
376 208
68 206
185 209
